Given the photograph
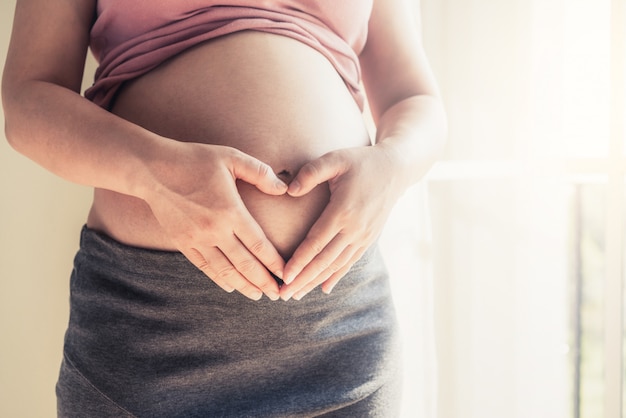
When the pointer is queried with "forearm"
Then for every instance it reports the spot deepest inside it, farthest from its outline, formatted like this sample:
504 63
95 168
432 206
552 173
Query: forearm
75 139
413 134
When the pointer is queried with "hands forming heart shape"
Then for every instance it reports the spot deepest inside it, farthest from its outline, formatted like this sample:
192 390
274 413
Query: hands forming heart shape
197 203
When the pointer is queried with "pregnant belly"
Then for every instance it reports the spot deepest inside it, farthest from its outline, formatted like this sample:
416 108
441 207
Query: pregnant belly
269 96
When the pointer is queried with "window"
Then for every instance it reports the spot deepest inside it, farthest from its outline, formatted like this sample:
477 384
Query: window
527 211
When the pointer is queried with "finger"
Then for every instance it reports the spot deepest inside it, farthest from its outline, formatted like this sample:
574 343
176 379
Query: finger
332 259
339 274
332 281
252 236
214 264
257 173
329 280
198 260
321 233
316 172
250 268
336 254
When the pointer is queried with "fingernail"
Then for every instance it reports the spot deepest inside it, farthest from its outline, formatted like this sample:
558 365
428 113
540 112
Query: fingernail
286 297
272 294
299 296
329 289
294 187
279 184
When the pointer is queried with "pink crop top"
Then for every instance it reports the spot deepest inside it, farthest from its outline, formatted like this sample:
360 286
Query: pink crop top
131 37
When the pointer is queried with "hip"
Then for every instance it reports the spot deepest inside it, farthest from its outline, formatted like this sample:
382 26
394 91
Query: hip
146 325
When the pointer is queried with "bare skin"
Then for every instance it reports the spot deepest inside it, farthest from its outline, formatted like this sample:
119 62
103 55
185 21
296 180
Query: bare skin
189 165
295 109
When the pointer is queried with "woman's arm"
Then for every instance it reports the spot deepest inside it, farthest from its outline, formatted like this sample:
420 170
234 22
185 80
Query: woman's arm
366 182
48 121
402 91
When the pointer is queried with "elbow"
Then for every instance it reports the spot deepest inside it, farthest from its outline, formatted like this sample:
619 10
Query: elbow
16 124
12 92
11 129
8 104
10 135
18 134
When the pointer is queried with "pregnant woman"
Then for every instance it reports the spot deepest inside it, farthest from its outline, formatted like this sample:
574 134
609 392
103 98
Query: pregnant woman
228 266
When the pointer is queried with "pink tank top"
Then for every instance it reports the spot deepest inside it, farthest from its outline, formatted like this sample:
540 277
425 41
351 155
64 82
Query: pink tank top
131 37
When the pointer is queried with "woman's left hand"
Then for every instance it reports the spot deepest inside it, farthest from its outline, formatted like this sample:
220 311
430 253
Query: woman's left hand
364 187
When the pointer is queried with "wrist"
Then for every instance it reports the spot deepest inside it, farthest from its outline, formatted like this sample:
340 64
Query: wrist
403 169
151 166
413 133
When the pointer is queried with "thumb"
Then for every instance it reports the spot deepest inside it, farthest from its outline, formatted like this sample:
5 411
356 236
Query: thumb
258 174
316 172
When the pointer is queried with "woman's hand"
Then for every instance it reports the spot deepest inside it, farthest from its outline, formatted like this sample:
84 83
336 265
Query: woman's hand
195 199
363 188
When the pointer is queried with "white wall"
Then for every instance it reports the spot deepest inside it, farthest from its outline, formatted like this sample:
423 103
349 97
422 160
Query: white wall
40 217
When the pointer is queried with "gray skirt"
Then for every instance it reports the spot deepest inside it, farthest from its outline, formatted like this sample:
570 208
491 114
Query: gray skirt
150 336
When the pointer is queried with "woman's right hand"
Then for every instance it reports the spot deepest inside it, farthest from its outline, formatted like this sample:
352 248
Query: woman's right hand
193 194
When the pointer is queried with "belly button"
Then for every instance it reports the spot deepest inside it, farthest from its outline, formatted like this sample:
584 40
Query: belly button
285 175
